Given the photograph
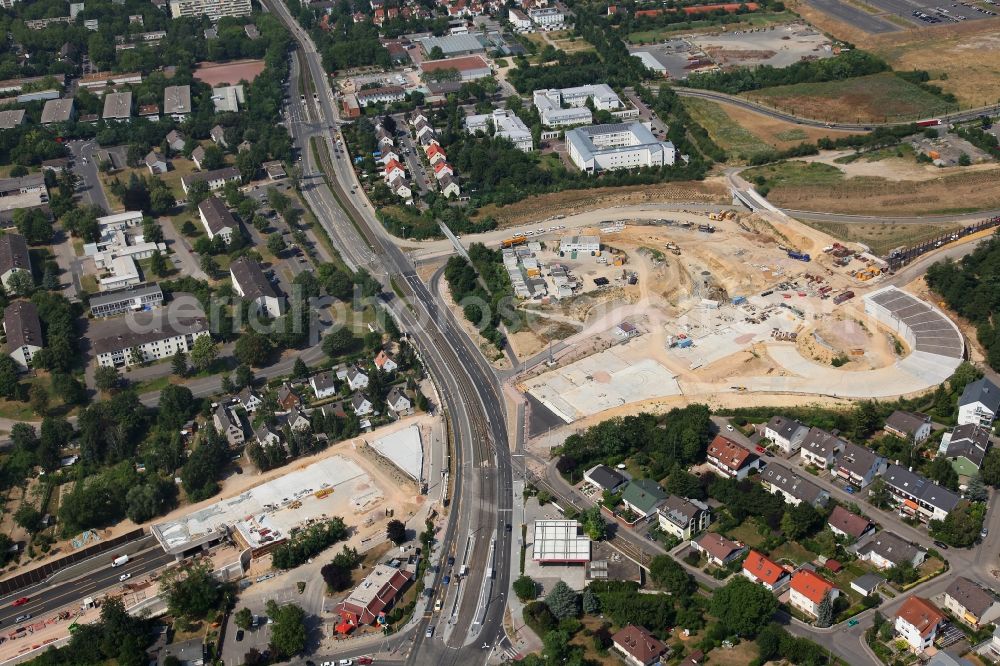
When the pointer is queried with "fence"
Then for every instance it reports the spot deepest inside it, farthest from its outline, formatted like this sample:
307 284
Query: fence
902 256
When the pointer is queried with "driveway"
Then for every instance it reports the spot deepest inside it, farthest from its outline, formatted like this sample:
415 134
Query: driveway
184 258
69 264
85 169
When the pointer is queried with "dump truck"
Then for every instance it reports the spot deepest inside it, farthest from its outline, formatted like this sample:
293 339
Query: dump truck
800 256
707 228
513 240
842 297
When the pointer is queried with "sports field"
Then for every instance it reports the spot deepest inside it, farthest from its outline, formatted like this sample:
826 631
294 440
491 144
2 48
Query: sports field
219 73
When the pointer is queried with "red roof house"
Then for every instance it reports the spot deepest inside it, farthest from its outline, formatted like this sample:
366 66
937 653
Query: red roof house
373 596
761 569
638 645
807 591
731 459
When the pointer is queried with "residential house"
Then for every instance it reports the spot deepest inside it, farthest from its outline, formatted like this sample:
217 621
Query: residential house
385 362
792 487
356 379
157 163
807 591
887 550
603 478
58 111
216 179
916 496
399 186
449 187
398 402
965 446
216 219
731 459
150 112
11 118
267 435
14 257
175 141
442 169
118 107
177 103
24 333
638 646
858 465
323 384
917 621
820 447
143 337
362 405
296 419
785 433
719 550
250 283
912 426
288 399
198 156
683 518
843 523
274 169
229 425
643 496
436 154
763 570
249 399
979 403
971 603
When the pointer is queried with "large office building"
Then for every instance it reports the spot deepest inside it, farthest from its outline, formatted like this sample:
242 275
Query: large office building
505 124
213 9
550 104
617 146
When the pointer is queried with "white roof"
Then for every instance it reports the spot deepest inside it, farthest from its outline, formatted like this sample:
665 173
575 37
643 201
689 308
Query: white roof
403 448
560 541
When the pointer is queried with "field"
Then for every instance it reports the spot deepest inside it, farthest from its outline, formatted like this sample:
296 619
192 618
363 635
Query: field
219 73
814 186
876 98
964 60
882 238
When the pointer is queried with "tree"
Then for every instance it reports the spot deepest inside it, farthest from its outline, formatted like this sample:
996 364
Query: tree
339 342
34 225
525 588
188 228
824 613
990 471
252 349
593 523
204 352
591 603
179 363
9 385
191 591
961 526
107 378
20 283
563 601
276 244
336 577
975 490
38 396
668 574
150 499
743 607
243 618
941 471
49 280
801 520
29 518
288 633
964 159
299 369
395 531
878 493
158 264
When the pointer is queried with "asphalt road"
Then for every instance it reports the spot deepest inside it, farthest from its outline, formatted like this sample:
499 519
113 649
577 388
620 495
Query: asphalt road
469 389
852 15
45 598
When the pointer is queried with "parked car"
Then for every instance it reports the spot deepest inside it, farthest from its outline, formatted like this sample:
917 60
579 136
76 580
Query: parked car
941 545
984 533
849 490
239 635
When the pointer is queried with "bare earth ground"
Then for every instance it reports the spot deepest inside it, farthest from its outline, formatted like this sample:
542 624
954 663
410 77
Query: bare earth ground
968 52
218 73
893 168
959 192
575 201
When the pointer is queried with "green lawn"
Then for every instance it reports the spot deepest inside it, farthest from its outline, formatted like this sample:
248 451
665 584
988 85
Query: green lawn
747 533
876 98
729 135
795 173
667 32
793 552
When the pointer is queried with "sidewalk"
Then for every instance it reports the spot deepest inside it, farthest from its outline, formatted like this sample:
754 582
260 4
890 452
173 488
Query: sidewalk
521 637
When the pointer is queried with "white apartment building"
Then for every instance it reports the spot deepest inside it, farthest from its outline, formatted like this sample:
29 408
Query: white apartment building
617 146
146 336
506 125
547 16
979 403
252 285
518 19
213 9
550 104
24 333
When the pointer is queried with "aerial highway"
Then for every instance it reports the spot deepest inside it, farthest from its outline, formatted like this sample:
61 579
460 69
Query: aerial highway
469 389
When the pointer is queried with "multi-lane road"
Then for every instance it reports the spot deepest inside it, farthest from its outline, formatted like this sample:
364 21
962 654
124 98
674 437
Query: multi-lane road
469 389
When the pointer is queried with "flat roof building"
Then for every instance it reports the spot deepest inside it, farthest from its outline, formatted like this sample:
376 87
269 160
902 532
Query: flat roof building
177 102
559 541
117 106
617 146
469 68
506 125
558 107
58 111
453 45
113 303
145 337
228 98
375 595
213 9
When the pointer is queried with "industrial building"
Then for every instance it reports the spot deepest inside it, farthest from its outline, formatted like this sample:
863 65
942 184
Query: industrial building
559 542
617 146
506 125
469 68
453 45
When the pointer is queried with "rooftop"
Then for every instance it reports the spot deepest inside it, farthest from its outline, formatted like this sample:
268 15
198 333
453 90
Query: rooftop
605 477
138 328
639 643
57 110
465 64
717 545
216 215
908 422
13 253
559 541
117 105
849 523
11 118
403 448
793 484
822 443
926 491
763 568
729 453
177 99
251 278
891 548
21 324
810 585
984 391
970 596
920 614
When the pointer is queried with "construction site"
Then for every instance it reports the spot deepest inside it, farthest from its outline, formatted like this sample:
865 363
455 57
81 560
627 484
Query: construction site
734 303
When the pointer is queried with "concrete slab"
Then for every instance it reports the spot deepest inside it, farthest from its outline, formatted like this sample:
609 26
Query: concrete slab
404 449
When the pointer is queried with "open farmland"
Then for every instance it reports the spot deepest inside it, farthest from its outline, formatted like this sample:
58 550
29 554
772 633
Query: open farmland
743 133
821 187
876 98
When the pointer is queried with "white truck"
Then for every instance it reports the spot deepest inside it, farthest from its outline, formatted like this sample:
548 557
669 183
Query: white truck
118 561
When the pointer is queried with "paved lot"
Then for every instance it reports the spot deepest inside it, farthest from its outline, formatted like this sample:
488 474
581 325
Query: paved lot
854 16
183 257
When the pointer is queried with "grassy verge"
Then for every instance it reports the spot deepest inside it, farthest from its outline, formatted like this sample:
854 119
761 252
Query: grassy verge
736 140
654 35
884 237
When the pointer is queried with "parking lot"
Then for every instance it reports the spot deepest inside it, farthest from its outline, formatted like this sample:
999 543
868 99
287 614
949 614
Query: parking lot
912 11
